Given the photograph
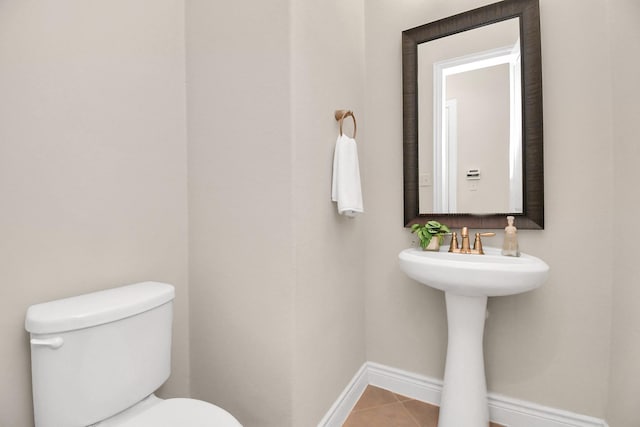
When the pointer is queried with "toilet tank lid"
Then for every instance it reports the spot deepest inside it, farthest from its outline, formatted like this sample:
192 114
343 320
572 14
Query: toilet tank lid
97 308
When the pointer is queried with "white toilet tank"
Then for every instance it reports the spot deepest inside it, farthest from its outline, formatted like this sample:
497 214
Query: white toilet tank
97 354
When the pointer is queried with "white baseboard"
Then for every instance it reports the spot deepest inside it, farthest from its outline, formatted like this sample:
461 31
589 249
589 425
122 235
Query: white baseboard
502 410
340 410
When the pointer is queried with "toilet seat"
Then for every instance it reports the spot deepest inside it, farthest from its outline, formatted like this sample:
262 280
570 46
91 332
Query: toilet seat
181 412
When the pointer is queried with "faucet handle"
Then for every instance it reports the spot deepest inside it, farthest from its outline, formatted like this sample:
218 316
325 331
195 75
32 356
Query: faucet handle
453 246
477 244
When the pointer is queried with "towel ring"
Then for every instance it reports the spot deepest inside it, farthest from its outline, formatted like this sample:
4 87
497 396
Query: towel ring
341 114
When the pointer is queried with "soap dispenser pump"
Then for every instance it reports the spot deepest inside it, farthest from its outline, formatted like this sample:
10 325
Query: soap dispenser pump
510 245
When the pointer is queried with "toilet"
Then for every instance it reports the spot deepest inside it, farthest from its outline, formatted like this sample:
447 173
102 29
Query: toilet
97 359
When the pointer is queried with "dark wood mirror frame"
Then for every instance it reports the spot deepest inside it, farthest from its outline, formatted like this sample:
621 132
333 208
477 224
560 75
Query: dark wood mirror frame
532 150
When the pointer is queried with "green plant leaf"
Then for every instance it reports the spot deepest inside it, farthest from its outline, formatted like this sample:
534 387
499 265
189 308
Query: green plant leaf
425 232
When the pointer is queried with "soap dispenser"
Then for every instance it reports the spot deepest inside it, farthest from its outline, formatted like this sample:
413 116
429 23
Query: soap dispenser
510 245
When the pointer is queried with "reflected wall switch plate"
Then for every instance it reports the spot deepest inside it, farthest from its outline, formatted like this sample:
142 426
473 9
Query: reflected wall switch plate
425 179
473 174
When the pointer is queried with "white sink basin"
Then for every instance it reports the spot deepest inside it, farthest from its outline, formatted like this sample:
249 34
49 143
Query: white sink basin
488 275
467 281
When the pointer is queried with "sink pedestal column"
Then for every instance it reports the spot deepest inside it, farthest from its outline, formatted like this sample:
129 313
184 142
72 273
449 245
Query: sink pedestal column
464 394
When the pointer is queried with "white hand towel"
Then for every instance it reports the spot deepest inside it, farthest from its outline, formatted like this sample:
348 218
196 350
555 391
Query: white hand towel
345 187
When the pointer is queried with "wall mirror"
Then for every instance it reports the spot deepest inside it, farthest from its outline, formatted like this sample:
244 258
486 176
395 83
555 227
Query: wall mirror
472 118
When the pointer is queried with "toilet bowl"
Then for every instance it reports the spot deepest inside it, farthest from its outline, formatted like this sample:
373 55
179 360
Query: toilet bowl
97 359
177 412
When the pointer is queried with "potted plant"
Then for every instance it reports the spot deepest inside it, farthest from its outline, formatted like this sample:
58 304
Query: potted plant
427 232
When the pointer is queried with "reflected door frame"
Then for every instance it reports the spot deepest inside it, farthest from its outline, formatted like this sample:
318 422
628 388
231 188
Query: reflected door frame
445 163
445 187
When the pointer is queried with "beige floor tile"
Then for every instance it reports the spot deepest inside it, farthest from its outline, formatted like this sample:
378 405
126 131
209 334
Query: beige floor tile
381 408
389 415
426 415
401 398
374 396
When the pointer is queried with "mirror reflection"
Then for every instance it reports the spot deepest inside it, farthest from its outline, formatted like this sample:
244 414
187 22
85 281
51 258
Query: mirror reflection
470 121
495 167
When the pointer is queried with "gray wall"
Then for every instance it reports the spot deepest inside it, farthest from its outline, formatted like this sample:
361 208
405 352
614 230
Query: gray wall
93 177
327 62
550 346
624 388
276 276
240 238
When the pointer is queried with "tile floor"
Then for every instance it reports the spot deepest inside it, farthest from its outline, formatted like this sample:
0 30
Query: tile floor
382 408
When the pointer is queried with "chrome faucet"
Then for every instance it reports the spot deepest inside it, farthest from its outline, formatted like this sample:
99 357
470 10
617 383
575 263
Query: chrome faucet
466 248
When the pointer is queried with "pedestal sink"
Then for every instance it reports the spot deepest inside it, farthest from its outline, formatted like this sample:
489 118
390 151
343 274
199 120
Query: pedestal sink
467 281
